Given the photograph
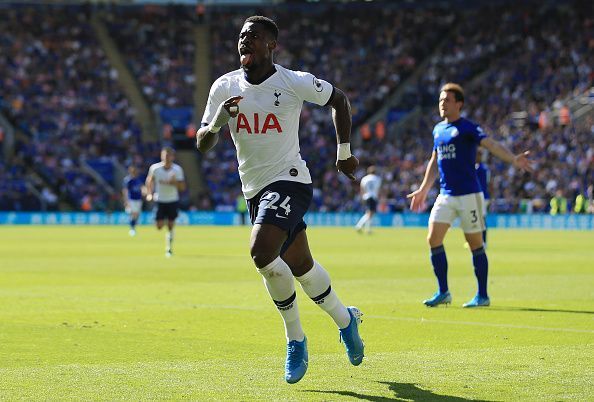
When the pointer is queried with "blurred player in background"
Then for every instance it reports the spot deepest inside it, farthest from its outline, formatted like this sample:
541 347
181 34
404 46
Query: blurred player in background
276 181
164 182
132 194
370 187
454 154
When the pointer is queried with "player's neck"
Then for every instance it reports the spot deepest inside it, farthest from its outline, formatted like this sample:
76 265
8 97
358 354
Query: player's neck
452 119
259 75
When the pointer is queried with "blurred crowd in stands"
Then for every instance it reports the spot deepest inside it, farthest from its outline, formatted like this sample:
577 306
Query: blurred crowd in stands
62 95
518 64
159 46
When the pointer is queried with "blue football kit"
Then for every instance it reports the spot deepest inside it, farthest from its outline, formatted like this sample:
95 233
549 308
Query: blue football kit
456 144
134 186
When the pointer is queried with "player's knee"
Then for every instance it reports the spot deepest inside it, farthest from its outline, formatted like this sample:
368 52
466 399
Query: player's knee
432 241
262 257
302 266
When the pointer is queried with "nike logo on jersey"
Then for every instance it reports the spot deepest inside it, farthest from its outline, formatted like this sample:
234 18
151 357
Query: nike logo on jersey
280 216
252 126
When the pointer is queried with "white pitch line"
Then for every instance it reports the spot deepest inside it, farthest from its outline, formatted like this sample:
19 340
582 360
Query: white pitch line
479 324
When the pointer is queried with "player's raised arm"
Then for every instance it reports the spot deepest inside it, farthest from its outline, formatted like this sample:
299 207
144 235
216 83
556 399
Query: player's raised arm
207 136
419 196
520 161
341 116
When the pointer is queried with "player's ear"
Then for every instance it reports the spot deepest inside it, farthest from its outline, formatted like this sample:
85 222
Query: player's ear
272 44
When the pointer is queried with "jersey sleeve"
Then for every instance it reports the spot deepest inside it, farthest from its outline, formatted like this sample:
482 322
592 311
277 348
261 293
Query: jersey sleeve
151 171
311 89
216 96
433 136
478 134
179 174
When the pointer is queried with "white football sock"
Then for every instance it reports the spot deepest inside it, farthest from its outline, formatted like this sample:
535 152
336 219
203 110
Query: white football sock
316 284
169 238
278 279
368 225
361 222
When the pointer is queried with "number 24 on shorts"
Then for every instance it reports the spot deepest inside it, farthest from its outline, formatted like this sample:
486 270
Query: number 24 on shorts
273 198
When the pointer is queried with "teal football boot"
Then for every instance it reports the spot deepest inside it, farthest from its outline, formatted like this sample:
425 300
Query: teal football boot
297 361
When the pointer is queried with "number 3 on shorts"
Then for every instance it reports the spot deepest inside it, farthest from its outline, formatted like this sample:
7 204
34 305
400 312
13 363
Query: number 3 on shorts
474 217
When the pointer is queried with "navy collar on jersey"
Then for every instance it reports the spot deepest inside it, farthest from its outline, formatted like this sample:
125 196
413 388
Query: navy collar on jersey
261 80
451 123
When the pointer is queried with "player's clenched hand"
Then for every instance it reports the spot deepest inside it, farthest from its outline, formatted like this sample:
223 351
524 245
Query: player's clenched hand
521 161
348 166
226 110
417 200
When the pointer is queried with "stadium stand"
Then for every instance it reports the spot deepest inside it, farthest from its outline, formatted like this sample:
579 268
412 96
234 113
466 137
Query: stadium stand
522 71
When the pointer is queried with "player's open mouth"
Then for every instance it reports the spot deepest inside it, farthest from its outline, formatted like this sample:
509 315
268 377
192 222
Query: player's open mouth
245 57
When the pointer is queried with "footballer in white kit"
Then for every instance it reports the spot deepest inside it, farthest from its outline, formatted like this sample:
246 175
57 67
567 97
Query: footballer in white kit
262 103
164 182
370 188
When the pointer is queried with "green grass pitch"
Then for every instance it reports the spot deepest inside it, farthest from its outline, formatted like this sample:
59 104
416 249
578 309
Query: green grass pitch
88 313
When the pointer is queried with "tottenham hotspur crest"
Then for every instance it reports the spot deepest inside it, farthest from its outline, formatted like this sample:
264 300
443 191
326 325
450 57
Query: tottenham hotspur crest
317 85
277 94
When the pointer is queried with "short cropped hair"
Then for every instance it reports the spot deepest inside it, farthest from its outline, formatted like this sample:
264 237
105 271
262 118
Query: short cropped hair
456 89
269 24
168 149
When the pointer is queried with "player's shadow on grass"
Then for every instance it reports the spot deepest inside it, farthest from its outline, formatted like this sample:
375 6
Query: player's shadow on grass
402 392
538 310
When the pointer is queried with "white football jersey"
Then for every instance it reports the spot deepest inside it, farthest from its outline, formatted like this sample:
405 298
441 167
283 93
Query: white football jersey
165 192
370 186
265 132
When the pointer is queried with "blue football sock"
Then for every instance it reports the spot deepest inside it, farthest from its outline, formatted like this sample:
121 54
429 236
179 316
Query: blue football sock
481 269
440 267
132 223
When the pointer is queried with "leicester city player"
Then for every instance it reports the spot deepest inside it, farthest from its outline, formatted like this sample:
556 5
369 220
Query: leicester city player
454 153
262 103
132 195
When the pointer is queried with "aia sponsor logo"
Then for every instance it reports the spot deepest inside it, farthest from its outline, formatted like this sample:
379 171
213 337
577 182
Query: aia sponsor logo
258 125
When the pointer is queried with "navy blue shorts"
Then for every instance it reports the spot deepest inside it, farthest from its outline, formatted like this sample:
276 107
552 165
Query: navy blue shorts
167 210
282 204
371 204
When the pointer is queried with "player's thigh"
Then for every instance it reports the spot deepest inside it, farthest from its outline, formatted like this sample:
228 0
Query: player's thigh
472 219
437 232
265 243
442 215
298 255
371 205
134 207
277 214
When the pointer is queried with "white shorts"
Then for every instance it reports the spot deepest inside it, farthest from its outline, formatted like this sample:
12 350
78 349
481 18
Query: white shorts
470 208
134 206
